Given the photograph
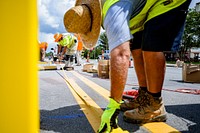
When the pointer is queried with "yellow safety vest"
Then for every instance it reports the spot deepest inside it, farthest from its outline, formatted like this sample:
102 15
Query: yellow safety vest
151 9
68 41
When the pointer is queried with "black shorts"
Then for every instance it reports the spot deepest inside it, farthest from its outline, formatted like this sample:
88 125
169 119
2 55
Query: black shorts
160 32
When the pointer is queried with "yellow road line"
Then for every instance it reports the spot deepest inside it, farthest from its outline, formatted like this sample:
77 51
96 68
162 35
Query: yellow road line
93 117
91 110
100 90
154 127
159 127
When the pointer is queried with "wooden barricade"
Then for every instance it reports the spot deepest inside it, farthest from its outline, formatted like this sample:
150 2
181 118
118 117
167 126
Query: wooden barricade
103 68
191 73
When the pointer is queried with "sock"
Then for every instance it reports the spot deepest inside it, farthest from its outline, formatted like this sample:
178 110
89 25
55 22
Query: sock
143 88
158 94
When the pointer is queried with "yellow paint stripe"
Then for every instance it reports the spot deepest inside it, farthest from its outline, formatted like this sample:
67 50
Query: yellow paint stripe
159 127
41 62
100 90
91 110
93 118
155 127
93 113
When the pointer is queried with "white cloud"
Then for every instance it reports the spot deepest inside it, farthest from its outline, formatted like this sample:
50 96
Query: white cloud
46 37
44 14
193 3
49 38
50 13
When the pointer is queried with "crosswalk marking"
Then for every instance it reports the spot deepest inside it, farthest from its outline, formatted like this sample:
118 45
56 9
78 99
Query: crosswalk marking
83 98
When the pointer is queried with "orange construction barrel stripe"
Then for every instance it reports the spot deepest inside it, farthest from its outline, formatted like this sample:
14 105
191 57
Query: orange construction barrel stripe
80 43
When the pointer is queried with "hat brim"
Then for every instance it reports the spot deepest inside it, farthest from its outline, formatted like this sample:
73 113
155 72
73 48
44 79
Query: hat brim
90 38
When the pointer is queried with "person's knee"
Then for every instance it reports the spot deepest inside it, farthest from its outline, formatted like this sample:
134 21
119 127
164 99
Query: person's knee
122 51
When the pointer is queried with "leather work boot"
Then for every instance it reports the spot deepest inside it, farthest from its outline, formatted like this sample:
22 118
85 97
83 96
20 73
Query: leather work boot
133 103
150 110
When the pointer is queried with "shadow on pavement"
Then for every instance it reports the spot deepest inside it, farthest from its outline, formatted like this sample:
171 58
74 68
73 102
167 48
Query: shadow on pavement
127 126
189 113
68 119
71 119
181 81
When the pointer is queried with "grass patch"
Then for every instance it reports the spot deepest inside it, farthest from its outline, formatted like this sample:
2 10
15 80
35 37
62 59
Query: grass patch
171 62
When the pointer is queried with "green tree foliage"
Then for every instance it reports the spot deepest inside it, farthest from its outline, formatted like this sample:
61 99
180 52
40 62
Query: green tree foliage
102 45
103 40
191 36
49 54
93 53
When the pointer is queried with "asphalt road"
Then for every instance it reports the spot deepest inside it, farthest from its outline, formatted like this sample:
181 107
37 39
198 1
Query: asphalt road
61 112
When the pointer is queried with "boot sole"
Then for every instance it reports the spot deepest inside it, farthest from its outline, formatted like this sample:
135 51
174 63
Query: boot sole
160 118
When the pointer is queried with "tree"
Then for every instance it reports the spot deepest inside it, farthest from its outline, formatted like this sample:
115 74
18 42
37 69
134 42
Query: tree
102 45
93 53
103 41
49 54
191 36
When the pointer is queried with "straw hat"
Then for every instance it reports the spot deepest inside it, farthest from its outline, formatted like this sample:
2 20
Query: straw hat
85 19
57 37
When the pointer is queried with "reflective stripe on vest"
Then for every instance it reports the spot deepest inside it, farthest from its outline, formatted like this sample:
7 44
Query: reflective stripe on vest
153 7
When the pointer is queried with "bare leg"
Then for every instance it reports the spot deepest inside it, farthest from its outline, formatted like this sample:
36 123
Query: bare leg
152 108
139 67
119 69
155 70
140 72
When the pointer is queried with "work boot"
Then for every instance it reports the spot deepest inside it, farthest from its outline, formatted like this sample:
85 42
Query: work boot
150 110
133 103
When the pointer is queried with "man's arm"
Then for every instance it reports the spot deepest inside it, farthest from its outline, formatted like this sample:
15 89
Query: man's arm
64 50
59 49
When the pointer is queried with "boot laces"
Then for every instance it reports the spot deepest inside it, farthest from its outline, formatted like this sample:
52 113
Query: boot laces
145 102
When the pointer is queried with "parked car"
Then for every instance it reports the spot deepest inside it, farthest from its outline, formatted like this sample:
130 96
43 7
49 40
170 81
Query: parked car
106 56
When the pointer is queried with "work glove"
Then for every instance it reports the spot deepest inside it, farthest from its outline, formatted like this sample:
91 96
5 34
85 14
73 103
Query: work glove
109 117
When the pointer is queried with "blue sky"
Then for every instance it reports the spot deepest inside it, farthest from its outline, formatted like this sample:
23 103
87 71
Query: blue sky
51 12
